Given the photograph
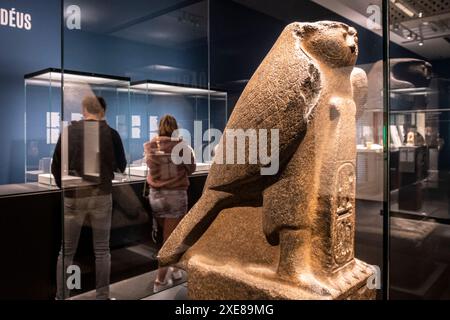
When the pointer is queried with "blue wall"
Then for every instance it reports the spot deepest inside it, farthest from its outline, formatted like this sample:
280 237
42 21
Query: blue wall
23 52
104 54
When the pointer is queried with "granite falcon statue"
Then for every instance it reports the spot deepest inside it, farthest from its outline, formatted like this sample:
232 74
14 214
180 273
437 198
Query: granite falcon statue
308 89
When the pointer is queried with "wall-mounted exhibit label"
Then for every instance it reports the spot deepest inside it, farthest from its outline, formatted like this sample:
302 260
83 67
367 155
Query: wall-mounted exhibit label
15 19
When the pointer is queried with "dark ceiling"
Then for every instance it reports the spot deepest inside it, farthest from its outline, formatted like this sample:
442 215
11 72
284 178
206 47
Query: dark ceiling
168 23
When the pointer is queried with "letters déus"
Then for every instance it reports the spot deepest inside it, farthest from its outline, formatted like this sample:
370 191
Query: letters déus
15 19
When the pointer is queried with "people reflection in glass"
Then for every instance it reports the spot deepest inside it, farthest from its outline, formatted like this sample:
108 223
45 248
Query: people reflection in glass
85 159
168 186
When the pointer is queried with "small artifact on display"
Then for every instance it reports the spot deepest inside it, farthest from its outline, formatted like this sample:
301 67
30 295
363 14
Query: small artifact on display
410 140
413 138
290 235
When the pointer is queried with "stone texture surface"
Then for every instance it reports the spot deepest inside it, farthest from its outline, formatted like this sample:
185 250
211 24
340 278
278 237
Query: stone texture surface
299 242
240 264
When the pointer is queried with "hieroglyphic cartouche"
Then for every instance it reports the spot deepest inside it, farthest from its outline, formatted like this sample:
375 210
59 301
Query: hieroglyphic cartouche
343 236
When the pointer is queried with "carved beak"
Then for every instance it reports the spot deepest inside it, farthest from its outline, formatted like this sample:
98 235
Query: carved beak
351 44
351 40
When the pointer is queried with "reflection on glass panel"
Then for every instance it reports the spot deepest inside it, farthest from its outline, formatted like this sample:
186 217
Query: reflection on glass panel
109 209
419 153
43 88
42 125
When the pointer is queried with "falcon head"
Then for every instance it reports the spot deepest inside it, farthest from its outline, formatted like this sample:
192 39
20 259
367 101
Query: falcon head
334 44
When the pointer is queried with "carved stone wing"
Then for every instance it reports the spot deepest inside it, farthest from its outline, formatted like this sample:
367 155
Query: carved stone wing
282 94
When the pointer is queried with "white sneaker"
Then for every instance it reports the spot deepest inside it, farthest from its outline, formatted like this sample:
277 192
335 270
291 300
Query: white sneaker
161 286
177 274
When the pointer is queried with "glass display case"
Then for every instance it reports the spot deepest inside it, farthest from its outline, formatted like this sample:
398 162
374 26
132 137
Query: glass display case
370 140
201 115
157 40
419 179
46 114
417 130
42 123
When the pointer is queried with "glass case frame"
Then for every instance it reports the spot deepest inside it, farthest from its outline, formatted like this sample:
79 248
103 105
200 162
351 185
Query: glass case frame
64 106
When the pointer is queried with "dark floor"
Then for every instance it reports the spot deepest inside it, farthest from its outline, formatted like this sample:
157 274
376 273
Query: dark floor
420 255
129 262
141 287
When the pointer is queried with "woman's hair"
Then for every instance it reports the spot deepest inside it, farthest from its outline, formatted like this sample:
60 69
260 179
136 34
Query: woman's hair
167 125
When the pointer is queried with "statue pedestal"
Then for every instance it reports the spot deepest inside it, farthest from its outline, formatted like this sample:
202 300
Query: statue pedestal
211 282
233 261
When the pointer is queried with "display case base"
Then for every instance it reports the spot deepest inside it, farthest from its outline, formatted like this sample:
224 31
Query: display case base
141 171
49 180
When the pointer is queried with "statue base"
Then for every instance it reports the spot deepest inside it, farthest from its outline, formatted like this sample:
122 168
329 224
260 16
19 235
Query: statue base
211 282
233 261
